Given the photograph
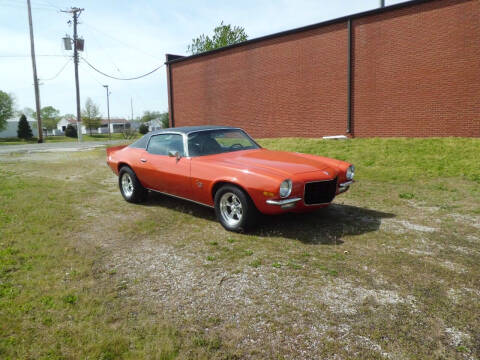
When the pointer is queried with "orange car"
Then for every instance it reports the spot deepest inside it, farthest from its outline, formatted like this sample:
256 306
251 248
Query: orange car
224 168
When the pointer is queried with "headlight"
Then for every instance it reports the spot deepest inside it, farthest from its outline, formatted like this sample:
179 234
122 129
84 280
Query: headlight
285 188
350 172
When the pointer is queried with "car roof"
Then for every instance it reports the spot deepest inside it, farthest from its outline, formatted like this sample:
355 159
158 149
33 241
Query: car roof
190 129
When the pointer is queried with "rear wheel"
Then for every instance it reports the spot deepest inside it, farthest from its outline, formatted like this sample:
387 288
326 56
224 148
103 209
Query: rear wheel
131 189
234 209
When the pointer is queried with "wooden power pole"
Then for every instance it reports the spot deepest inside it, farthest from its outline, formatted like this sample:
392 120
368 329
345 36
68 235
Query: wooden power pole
76 13
35 78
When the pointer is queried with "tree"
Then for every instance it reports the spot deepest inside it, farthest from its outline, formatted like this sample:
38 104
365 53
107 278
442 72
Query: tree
165 120
6 109
28 112
71 131
50 117
24 130
143 129
223 35
156 115
91 115
150 115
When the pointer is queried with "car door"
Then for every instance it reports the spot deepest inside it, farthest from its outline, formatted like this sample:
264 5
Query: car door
162 169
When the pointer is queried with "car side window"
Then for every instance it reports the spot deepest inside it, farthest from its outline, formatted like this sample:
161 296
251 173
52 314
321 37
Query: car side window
164 143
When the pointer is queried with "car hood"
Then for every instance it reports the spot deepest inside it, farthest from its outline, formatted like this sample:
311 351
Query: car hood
280 162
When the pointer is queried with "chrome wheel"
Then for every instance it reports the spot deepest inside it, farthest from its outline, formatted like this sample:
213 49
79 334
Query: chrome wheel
231 208
127 185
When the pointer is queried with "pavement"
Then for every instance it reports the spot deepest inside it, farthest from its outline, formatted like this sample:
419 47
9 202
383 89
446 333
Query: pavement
57 147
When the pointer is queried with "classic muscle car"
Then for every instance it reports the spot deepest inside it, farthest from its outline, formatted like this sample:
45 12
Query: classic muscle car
224 168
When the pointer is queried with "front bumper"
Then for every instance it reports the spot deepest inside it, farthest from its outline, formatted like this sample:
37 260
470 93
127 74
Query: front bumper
292 202
284 203
344 186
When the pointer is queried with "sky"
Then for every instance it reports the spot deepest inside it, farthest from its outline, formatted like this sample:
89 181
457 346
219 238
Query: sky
129 38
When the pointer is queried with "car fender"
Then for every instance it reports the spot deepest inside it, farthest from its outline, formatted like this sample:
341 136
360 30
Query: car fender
254 184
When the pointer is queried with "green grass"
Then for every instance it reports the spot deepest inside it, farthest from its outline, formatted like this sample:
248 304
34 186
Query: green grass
83 274
397 159
55 139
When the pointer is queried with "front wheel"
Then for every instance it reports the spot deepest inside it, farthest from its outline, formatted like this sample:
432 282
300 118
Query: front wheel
234 209
130 187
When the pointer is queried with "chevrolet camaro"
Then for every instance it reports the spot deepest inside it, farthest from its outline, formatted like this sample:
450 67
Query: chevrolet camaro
224 168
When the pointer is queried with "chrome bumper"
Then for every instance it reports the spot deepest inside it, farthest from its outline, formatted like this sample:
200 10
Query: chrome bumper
344 186
289 203
285 203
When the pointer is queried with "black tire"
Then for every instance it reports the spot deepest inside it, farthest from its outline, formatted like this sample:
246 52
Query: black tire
249 212
138 193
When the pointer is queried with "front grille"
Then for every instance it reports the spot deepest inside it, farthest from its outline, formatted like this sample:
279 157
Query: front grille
320 192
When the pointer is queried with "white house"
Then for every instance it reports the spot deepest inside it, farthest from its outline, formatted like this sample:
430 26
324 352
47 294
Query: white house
155 124
12 127
117 125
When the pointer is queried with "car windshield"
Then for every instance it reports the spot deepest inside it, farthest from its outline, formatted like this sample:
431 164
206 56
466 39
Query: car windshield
219 141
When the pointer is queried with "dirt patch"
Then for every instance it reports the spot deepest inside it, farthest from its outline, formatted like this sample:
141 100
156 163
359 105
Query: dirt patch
403 226
466 219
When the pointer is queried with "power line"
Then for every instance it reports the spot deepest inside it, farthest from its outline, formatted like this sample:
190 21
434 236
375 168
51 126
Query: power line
42 3
59 72
21 56
117 78
91 75
120 41
21 5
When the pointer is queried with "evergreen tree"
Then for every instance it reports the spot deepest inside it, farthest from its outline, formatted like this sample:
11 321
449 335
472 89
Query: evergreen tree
24 130
71 131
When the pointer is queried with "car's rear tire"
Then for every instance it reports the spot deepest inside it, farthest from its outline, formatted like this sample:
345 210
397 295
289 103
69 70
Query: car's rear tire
234 209
130 187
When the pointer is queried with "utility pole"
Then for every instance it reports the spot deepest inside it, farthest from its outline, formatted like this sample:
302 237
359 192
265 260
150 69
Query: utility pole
131 108
35 78
108 112
76 13
382 3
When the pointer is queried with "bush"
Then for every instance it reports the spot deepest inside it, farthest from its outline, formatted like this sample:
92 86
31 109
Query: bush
71 131
24 130
129 133
143 129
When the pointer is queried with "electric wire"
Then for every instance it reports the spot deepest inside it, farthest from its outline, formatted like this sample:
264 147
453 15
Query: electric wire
119 41
17 5
89 72
37 55
117 78
59 72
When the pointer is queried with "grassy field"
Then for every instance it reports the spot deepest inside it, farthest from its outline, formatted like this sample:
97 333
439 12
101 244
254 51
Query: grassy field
98 137
390 270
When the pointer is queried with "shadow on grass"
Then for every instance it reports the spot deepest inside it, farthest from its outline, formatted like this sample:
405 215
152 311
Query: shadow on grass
326 226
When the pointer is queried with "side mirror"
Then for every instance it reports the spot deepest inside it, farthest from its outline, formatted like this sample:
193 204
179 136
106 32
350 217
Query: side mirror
174 154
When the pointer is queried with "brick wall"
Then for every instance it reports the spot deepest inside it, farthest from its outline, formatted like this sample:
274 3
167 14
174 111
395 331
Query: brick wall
416 72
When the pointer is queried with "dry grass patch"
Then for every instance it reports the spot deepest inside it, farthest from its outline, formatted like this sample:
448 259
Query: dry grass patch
377 275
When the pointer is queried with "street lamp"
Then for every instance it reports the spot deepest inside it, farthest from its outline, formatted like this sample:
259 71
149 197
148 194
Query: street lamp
108 112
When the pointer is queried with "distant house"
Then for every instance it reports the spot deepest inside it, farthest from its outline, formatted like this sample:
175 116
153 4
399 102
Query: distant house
155 124
12 126
117 125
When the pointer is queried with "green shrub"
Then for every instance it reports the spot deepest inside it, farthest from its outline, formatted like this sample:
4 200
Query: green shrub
71 131
143 129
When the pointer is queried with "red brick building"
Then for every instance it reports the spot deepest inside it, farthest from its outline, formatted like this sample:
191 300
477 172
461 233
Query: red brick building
411 69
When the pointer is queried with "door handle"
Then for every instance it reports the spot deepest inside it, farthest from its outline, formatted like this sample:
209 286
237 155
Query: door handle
143 160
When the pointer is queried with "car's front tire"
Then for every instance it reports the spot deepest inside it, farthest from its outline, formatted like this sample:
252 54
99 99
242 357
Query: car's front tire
234 209
130 187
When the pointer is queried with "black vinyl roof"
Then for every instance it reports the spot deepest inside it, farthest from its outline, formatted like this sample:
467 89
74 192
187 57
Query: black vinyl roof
178 58
143 141
190 129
